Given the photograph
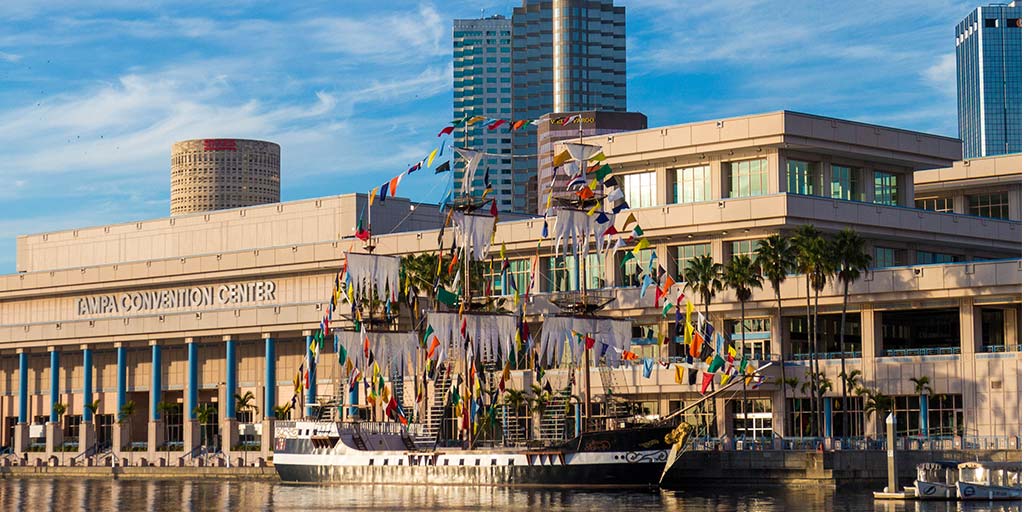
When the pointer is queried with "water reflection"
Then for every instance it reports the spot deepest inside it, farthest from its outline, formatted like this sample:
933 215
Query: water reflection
254 496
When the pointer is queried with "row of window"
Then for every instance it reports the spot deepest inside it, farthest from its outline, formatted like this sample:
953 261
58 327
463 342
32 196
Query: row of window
748 178
995 205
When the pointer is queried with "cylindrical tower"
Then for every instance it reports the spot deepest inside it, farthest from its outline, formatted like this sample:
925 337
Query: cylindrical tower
216 174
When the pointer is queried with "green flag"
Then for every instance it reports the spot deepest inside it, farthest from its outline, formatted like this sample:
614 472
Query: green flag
447 297
716 364
743 363
342 354
637 231
666 308
603 172
426 336
626 257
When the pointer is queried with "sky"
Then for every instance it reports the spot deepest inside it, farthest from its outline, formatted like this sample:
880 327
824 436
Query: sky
93 93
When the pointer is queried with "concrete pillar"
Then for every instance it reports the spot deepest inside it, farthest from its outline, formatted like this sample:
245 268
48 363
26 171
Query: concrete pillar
86 435
154 435
54 437
824 186
871 345
717 177
231 378
86 385
776 172
269 377
54 383
970 336
311 368
190 434
21 438
23 389
267 437
1011 332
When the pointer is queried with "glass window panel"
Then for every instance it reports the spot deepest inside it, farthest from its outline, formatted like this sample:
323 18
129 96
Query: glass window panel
886 189
693 184
748 178
995 205
640 189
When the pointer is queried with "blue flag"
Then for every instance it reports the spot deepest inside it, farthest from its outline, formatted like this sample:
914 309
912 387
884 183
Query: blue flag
648 367
645 285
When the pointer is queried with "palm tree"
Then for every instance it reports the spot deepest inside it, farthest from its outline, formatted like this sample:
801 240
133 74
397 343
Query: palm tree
58 410
923 388
539 400
514 399
850 382
813 257
704 277
245 402
791 383
742 275
876 402
163 409
204 413
282 411
851 259
93 407
775 256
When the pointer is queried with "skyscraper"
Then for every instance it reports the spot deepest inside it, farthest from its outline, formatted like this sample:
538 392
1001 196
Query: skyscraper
482 51
552 55
567 55
988 80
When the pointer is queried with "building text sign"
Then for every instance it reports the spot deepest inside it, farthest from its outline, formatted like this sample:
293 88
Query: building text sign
189 297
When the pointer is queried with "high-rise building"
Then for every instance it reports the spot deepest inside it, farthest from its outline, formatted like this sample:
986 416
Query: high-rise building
988 80
482 52
567 55
217 174
551 56
566 126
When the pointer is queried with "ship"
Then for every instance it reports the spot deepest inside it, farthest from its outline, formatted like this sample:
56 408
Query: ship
459 353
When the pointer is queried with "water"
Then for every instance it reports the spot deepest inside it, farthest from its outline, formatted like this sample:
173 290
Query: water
66 495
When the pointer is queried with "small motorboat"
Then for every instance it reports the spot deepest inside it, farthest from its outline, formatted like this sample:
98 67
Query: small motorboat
989 481
936 480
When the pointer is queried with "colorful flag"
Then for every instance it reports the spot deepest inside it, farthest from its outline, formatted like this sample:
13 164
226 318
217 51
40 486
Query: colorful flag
705 382
445 167
648 367
560 159
447 130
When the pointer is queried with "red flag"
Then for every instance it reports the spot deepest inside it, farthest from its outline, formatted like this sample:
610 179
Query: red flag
494 207
657 296
495 124
446 130
629 356
610 231
705 382
518 124
366 346
695 345
363 235
589 341
455 260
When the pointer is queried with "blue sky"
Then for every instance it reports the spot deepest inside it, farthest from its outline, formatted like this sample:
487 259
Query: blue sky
93 93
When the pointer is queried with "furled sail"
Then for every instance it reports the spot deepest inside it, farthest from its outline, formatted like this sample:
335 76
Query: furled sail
581 152
472 158
573 229
473 233
373 272
610 336
395 347
491 335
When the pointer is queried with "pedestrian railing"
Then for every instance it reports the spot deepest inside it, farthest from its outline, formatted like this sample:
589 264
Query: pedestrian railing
931 351
810 443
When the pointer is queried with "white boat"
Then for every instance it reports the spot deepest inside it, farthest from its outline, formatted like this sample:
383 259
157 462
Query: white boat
936 481
989 481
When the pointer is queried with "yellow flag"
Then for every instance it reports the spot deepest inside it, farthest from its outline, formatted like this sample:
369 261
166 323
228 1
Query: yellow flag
641 245
725 378
475 119
373 194
688 334
430 158
560 158
502 251
629 220
598 157
593 210
593 184
680 374
689 311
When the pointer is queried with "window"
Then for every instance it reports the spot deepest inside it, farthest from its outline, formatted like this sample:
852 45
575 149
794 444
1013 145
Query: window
640 189
931 258
515 278
756 422
702 416
748 247
884 257
693 185
935 204
845 184
561 274
685 253
995 205
803 178
633 269
754 340
748 178
945 415
886 188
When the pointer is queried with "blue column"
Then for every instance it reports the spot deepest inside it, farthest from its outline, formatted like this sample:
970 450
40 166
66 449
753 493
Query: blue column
923 400
54 383
192 390
122 388
23 387
828 417
155 388
269 378
353 400
311 366
231 381
87 383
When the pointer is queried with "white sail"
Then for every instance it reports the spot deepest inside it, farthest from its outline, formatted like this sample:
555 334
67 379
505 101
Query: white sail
373 272
581 152
573 229
472 158
387 347
558 331
473 233
491 335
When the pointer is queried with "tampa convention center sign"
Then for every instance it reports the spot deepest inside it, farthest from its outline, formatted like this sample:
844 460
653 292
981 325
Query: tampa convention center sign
187 297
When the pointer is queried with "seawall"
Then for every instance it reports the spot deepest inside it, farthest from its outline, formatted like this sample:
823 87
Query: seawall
140 472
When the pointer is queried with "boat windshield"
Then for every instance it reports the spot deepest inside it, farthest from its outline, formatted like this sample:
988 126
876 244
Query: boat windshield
974 475
931 473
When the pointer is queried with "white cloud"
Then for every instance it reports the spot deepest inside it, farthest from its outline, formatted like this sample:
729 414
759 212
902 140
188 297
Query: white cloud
942 74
